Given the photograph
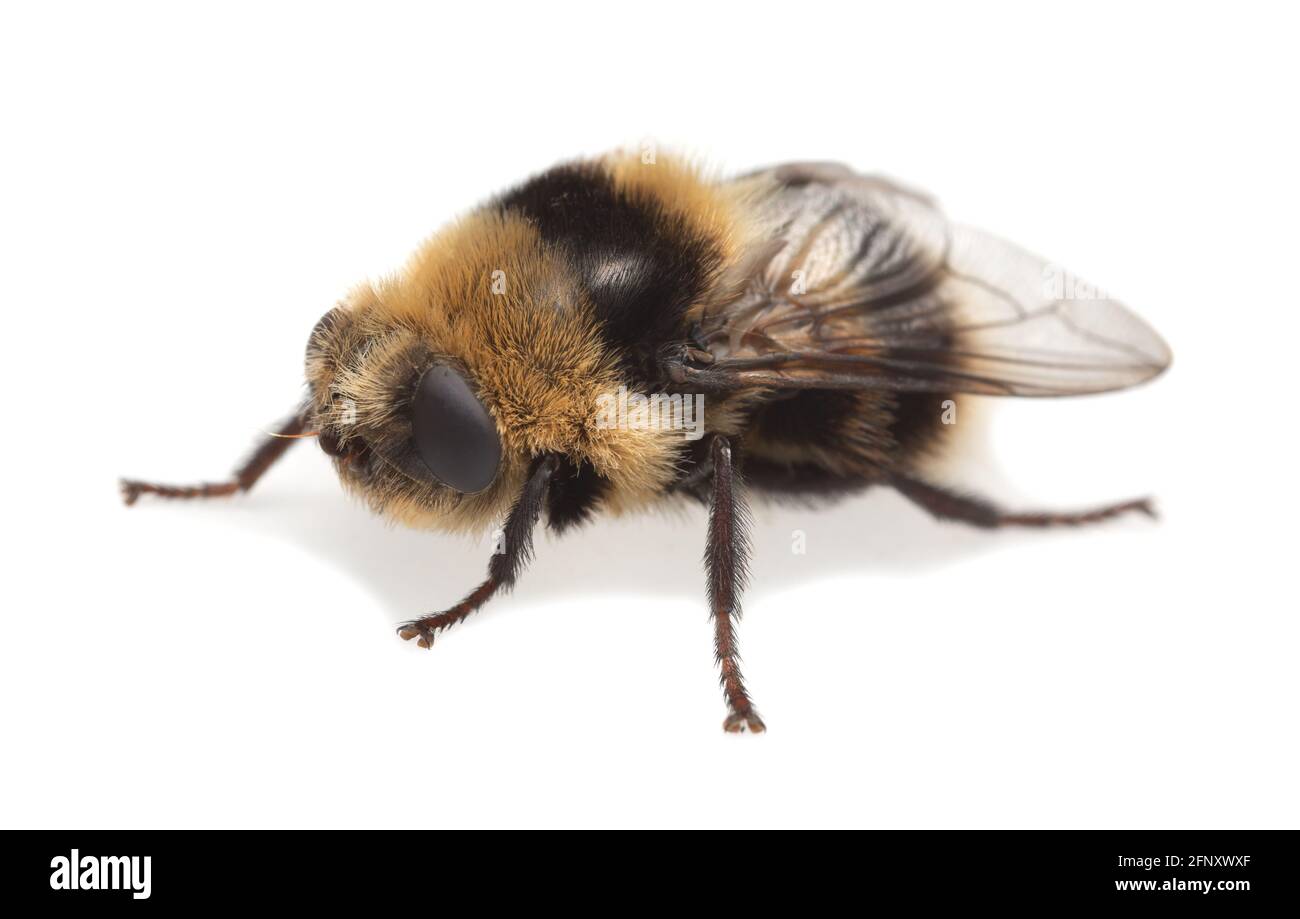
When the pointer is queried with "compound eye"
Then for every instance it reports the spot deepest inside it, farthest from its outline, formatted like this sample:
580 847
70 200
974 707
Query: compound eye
330 444
453 432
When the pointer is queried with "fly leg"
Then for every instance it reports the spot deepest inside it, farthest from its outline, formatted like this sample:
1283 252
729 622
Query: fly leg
505 566
726 556
948 505
264 456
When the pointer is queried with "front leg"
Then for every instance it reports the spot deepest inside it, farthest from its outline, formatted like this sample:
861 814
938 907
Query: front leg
726 555
504 568
272 447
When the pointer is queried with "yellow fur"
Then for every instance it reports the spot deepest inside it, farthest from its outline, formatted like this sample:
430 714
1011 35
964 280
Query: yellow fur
487 294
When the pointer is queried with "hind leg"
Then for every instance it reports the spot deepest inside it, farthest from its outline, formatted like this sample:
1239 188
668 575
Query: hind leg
948 505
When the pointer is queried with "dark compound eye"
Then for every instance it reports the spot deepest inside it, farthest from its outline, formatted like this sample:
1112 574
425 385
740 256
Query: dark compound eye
453 432
329 443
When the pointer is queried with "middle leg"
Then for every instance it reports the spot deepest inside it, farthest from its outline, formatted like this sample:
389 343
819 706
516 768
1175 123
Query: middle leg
726 555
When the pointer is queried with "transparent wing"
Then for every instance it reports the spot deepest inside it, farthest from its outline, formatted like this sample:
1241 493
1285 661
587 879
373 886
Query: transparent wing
866 285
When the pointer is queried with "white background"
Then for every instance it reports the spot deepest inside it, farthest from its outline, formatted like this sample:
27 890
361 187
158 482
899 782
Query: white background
185 192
